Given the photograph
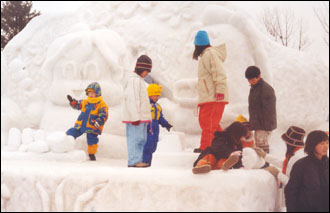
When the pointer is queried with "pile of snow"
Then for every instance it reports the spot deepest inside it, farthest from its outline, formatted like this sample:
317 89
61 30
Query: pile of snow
60 54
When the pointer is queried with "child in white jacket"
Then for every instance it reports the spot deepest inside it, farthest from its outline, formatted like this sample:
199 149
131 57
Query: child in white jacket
294 139
136 111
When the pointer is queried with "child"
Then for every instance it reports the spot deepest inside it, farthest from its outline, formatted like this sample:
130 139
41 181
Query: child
308 186
94 113
294 139
224 152
136 111
248 140
154 92
262 108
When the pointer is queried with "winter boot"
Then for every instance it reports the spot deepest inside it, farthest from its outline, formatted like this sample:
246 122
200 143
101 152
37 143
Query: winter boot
142 165
230 162
92 157
202 169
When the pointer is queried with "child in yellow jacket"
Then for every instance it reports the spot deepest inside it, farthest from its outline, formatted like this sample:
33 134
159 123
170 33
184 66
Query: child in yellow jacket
94 113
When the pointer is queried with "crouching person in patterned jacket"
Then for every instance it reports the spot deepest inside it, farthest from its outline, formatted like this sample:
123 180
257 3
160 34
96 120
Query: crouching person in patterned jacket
94 113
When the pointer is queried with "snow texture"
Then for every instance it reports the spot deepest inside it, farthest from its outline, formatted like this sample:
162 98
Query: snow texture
42 169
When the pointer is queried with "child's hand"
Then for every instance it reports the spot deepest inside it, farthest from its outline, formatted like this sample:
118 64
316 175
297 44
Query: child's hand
168 127
69 98
136 123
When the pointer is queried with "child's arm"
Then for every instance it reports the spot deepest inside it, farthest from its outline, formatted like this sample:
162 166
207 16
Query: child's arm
102 116
163 122
74 103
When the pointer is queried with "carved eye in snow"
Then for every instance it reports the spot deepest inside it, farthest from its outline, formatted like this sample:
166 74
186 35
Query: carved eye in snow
70 71
91 71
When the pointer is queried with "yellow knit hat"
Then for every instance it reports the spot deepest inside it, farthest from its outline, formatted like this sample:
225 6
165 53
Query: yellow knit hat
154 89
240 118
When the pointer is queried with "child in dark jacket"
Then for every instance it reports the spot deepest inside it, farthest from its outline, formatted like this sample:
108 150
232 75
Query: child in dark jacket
154 91
224 152
94 113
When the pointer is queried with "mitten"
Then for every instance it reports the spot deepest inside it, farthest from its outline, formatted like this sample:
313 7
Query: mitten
261 153
69 98
168 127
273 170
136 123
219 97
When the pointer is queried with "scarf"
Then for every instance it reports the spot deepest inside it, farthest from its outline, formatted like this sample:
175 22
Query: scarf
94 100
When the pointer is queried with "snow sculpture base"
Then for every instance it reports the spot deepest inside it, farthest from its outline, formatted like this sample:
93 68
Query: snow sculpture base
108 185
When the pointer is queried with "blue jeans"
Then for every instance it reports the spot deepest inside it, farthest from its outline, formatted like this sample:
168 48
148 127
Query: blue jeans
136 139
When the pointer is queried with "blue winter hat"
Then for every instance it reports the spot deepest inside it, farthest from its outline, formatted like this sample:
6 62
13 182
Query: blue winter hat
201 38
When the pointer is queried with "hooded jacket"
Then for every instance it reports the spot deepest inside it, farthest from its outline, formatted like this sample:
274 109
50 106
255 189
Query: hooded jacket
92 110
212 78
136 105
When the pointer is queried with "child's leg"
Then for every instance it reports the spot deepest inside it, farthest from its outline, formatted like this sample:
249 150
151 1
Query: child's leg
92 141
262 138
205 164
136 139
149 148
75 133
209 118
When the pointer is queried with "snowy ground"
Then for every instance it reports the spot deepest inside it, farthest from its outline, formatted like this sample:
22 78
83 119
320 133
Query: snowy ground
60 54
76 184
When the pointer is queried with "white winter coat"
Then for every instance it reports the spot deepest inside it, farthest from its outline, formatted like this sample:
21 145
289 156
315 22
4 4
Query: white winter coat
135 103
283 178
278 162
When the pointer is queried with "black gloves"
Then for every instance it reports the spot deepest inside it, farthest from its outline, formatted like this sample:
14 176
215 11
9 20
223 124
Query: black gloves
69 98
168 127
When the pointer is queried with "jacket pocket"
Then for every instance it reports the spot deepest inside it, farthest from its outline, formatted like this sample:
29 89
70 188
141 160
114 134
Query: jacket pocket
205 85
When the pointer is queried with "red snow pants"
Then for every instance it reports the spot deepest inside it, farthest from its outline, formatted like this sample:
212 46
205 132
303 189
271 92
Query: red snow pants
210 115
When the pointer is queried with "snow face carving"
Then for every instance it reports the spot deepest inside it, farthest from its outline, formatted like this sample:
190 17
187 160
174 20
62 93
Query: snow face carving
77 59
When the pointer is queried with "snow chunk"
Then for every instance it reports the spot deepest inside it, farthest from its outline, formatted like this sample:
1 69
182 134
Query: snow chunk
251 160
14 139
38 147
60 142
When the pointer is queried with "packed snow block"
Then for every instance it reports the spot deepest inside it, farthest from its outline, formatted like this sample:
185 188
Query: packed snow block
14 139
65 186
112 146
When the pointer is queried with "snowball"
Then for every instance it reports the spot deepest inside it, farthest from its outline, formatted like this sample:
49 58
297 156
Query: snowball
39 135
14 139
60 142
23 148
27 136
251 160
38 147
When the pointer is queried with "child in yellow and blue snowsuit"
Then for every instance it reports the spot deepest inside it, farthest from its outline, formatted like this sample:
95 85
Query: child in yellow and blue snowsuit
94 113
154 92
